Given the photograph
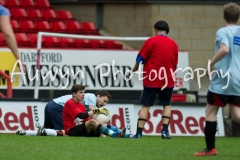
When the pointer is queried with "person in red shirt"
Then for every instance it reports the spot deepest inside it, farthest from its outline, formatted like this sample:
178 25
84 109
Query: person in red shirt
159 55
77 121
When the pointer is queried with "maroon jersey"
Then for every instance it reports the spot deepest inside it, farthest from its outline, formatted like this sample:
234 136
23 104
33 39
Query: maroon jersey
70 111
161 56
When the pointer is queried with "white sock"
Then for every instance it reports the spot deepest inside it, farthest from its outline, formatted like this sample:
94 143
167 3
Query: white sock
31 133
110 132
51 132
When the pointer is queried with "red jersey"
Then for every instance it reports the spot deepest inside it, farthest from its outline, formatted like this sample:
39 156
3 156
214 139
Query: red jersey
70 110
161 56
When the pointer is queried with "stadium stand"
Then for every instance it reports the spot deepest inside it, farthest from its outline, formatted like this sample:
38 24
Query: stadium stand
2 40
12 3
65 15
27 26
22 40
42 26
35 14
73 27
28 4
28 17
15 26
43 4
19 14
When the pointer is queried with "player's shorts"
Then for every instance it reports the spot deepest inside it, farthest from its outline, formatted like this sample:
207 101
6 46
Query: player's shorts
149 94
222 100
53 116
81 131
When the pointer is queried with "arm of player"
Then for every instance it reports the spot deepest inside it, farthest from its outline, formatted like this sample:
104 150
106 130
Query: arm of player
222 52
84 115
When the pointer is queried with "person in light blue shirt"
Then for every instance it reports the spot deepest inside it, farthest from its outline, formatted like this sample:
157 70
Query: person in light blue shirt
225 79
6 29
54 108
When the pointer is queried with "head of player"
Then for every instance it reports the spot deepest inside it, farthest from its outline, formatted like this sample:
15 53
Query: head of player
78 93
231 13
161 27
103 98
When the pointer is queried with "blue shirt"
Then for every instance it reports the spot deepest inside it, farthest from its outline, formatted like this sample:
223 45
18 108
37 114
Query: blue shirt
229 36
4 11
89 100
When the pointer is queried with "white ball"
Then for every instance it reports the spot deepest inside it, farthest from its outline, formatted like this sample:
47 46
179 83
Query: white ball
102 118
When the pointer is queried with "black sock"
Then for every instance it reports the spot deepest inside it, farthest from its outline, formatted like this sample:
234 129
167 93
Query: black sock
98 128
210 131
139 129
165 127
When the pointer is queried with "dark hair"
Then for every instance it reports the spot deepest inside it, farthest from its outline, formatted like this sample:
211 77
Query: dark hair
161 26
103 93
231 12
77 87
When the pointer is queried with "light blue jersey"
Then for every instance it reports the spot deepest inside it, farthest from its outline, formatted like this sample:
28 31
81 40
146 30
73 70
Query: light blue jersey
89 100
229 36
62 100
4 11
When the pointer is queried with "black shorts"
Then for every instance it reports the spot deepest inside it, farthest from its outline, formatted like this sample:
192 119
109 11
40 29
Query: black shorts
222 100
149 94
81 131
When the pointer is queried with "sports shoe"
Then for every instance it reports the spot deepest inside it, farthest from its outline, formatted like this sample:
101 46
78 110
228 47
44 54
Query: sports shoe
21 132
41 131
137 136
129 135
119 134
165 135
206 152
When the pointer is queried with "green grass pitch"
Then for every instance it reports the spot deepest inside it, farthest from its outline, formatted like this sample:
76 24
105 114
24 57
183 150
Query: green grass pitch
13 147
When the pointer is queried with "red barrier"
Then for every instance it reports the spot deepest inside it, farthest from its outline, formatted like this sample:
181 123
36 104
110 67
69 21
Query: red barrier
9 85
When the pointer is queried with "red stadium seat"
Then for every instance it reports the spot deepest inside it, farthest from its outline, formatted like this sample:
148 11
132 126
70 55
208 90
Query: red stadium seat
89 28
35 15
84 43
113 45
100 44
49 15
73 27
19 14
42 26
64 15
33 39
43 4
58 27
22 40
28 4
27 26
68 43
12 3
15 26
2 2
51 42
2 40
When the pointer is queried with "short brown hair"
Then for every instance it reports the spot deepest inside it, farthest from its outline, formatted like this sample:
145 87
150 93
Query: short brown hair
77 87
103 93
231 12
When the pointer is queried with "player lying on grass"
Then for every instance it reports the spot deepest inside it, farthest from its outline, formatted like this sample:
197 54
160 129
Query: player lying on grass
77 120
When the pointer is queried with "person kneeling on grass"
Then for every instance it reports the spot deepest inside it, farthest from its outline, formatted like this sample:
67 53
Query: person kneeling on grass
77 121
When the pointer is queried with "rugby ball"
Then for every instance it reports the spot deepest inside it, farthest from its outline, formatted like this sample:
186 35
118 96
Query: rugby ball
102 118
